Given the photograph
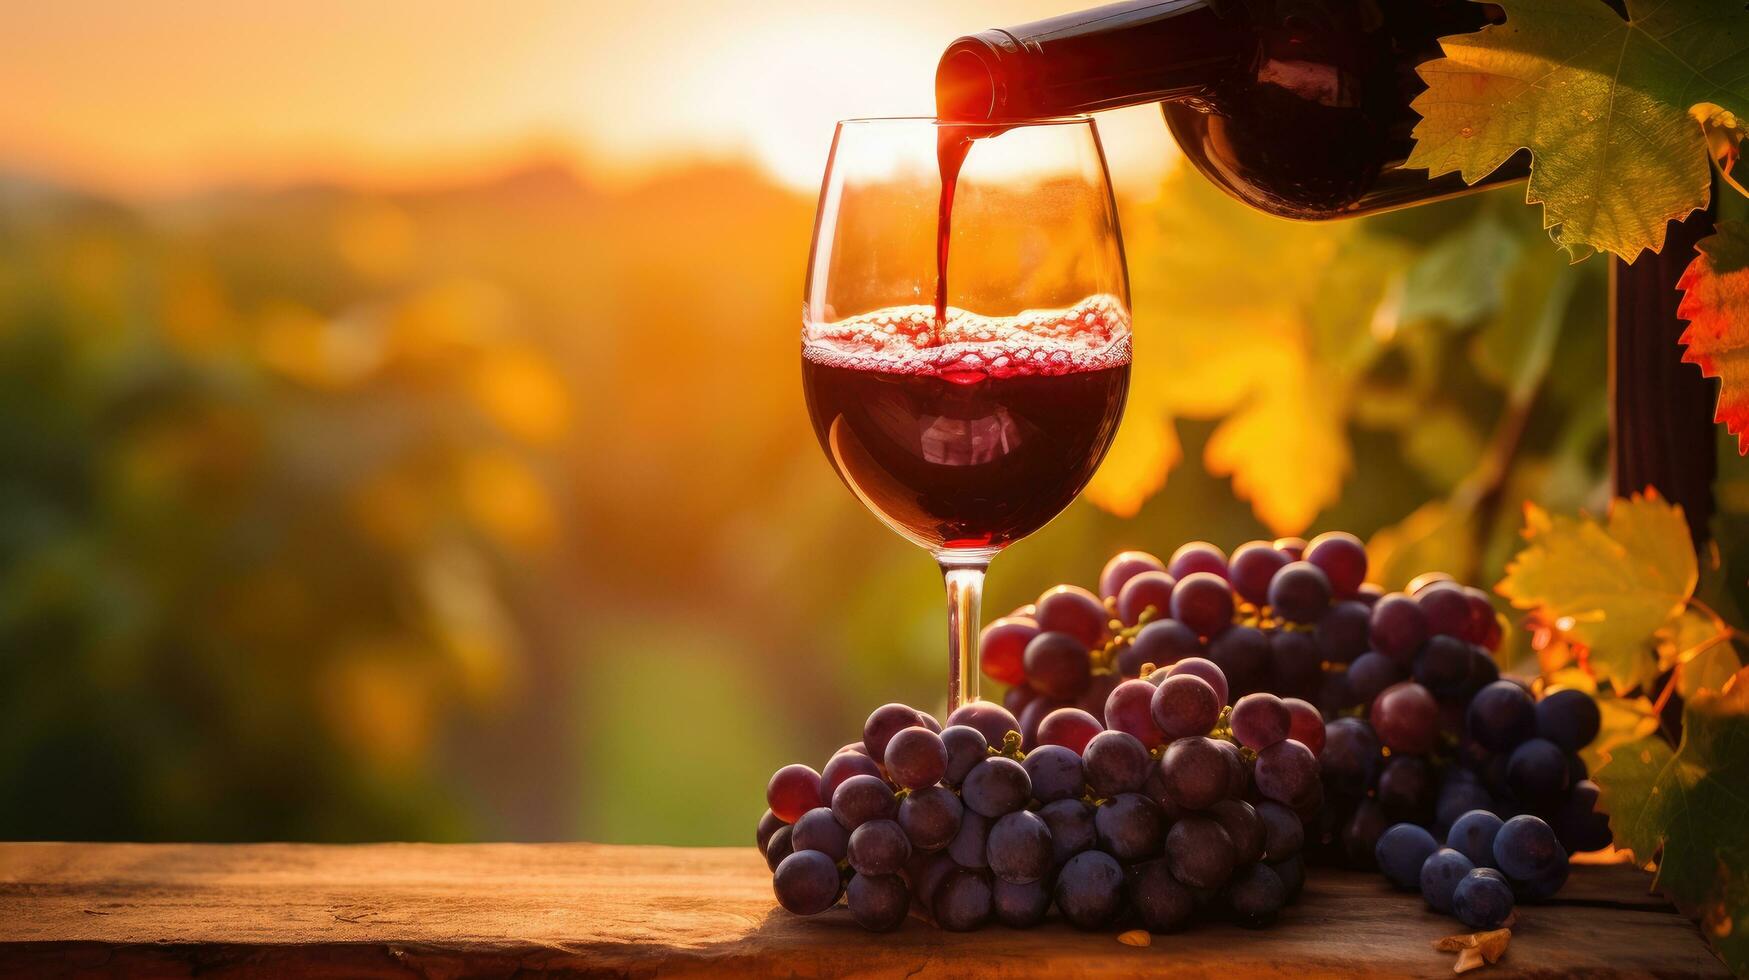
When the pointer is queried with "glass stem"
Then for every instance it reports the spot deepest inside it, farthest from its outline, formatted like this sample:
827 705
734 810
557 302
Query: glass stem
963 572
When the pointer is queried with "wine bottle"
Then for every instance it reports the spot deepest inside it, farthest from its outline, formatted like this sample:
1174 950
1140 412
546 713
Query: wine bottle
1298 107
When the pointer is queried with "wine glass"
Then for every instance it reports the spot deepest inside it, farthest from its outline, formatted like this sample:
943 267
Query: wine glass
965 335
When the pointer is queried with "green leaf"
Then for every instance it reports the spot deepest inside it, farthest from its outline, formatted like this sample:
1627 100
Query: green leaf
1610 586
1690 808
1462 277
1602 104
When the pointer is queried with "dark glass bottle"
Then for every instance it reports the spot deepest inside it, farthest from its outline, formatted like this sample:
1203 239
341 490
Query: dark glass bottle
1297 107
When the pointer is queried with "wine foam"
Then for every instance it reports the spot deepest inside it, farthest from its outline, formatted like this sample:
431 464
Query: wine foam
1089 336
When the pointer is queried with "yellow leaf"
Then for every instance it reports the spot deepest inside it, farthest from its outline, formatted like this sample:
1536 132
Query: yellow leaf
1436 537
1145 451
1287 453
1610 586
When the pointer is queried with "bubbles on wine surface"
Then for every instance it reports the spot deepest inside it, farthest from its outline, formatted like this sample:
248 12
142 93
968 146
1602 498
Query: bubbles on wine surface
1088 336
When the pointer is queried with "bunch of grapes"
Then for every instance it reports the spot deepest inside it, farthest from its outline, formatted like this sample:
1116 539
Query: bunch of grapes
1176 806
1485 866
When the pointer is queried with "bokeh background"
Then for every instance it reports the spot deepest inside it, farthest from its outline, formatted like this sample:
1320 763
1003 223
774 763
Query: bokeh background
401 434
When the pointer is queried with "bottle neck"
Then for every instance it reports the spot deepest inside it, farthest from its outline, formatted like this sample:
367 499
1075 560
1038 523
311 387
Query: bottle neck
1121 54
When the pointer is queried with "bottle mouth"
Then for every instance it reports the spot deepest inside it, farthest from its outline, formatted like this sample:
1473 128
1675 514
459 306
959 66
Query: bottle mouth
965 84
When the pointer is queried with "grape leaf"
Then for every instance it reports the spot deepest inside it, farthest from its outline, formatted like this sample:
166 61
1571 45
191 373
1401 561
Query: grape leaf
1602 103
1692 804
1715 302
1145 450
1610 586
1462 276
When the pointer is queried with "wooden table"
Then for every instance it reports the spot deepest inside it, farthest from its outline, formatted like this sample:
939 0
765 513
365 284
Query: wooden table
408 910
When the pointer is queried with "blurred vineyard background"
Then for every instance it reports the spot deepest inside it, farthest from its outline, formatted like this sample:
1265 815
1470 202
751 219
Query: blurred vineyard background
485 506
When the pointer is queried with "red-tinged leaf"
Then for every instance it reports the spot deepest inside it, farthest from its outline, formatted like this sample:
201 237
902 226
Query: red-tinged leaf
1715 302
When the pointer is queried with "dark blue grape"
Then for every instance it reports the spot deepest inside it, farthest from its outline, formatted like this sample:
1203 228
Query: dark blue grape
860 799
1482 900
1483 671
1162 642
1370 674
1019 847
879 847
1406 788
806 883
1203 602
1544 885
819 830
967 846
1292 872
1397 627
1537 773
1058 665
878 903
966 747
1350 759
1089 889
1201 853
1501 716
996 786
1116 762
1130 827
1300 592
1195 772
1342 559
931 817
963 900
1472 835
768 824
1239 819
1055 772
1526 849
1440 875
1568 717
1072 828
992 721
1160 901
1400 851
1284 834
916 757
1578 823
886 721
1443 666
779 846
1456 798
1243 654
1252 568
1021 906
1255 894
1343 631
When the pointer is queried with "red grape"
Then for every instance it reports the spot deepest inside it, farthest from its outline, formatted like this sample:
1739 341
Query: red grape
841 767
1198 556
1058 665
1149 589
793 791
1251 569
992 721
1071 728
885 722
1260 720
1306 724
1185 705
1128 709
1203 601
1124 566
1342 558
1300 592
1208 670
1406 718
1076 611
1002 648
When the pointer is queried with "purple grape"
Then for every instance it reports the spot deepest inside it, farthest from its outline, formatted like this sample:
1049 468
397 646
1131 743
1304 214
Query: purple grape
1019 847
1400 851
1162 642
1398 627
931 817
1034 715
1149 590
1056 773
1448 612
768 824
806 883
992 721
1197 556
1440 875
1360 835
1242 824
1206 669
1076 611
1350 758
1444 665
1370 674
1185 704
1472 835
879 847
1201 853
995 787
1058 665
1538 775
916 757
885 722
1342 559
967 846
1260 720
1204 602
1501 716
1002 648
1130 827
793 791
1406 788
1160 901
1456 799
1129 709
1343 631
1072 828
1305 724
1292 872
1090 889
1243 654
779 846
1021 906
966 747
1406 718
1295 662
963 900
860 799
1481 614
1568 717
841 767
1482 899
1115 762
878 903
1284 834
1256 894
1253 566
1099 688
1069 727
1195 772
1286 772
1578 823
1300 592
817 830
1122 567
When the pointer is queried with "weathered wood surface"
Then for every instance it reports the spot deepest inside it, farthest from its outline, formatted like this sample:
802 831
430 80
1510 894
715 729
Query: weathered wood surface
412 910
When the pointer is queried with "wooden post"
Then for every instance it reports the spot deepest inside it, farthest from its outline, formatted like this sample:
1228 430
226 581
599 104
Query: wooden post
1660 409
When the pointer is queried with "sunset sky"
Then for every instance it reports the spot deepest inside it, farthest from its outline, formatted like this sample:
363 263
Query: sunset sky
164 98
